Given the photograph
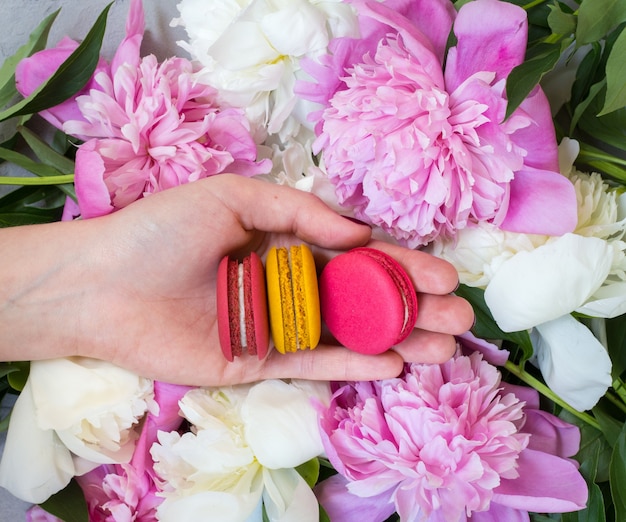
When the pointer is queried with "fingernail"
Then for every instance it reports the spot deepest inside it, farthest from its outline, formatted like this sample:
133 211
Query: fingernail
357 221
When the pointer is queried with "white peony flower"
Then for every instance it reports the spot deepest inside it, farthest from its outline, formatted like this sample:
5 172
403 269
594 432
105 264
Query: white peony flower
250 51
74 414
242 448
480 252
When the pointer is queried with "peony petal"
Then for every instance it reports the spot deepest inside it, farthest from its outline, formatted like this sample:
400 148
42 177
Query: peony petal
167 397
343 506
491 36
541 202
34 463
129 49
222 506
551 434
537 286
573 362
282 433
93 196
609 301
491 353
499 513
298 28
417 43
540 136
288 498
547 484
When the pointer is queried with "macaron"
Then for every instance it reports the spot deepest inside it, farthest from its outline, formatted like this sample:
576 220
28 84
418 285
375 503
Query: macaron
242 307
367 300
293 298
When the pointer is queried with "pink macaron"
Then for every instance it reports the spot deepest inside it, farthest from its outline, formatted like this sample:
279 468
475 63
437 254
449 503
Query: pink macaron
367 300
242 307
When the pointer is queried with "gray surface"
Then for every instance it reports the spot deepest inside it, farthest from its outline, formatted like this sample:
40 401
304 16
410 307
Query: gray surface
11 509
19 19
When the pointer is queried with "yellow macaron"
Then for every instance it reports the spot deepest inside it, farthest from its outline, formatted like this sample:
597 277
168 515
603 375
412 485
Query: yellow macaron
293 297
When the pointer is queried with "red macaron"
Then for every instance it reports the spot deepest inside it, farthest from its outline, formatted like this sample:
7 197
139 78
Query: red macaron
367 300
242 307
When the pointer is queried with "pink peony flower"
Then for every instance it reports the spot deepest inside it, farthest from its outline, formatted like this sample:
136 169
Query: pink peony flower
422 149
447 442
148 126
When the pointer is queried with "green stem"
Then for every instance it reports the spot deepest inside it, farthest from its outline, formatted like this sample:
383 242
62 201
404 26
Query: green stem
46 180
524 376
597 155
532 4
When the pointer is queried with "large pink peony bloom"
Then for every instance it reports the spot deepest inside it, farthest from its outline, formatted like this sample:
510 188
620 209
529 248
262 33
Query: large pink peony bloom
422 149
447 443
147 126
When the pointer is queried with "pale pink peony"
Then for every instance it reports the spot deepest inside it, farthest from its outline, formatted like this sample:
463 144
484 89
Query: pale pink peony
447 442
422 150
147 126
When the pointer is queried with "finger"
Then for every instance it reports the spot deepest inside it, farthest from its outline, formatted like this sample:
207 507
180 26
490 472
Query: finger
264 206
428 273
448 314
332 363
424 346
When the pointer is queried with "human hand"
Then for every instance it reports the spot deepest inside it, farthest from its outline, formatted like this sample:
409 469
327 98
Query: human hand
148 284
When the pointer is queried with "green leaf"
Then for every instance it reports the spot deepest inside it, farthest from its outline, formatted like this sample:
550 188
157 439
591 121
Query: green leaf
31 205
45 153
561 22
609 128
596 18
310 471
48 156
36 42
616 341
68 504
594 453
582 107
611 427
486 327
29 216
71 76
616 76
617 474
17 379
30 165
586 73
526 76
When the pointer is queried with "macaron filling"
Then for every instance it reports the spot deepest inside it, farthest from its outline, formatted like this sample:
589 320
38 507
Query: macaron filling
242 306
